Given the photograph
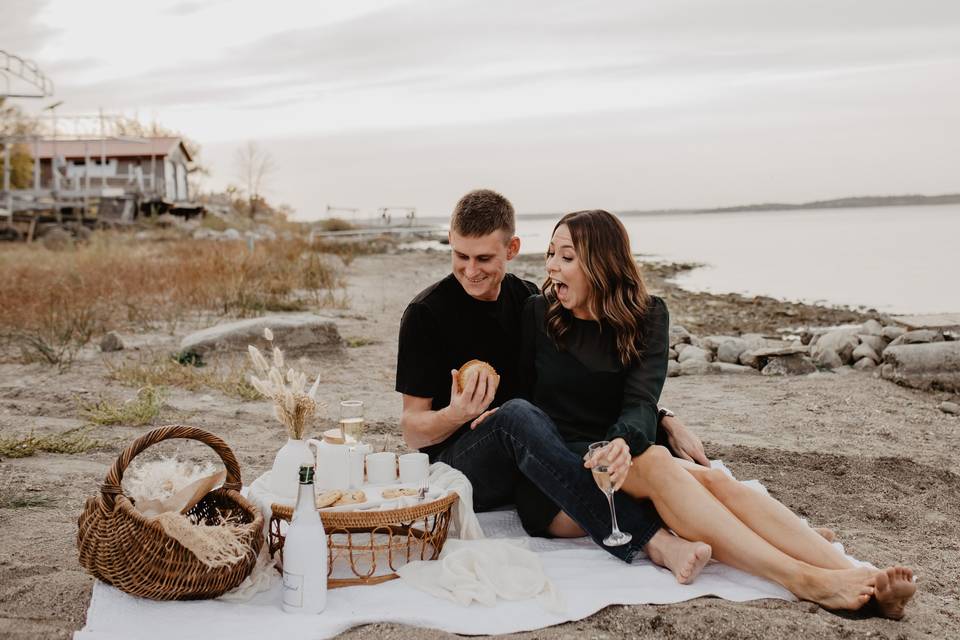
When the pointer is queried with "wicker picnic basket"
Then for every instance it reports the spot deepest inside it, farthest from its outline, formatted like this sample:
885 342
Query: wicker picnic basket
120 546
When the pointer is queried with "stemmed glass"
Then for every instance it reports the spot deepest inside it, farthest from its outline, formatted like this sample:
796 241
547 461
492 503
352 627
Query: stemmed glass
601 475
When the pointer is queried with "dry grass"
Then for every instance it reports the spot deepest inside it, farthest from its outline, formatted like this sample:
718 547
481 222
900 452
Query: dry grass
72 441
54 302
166 370
136 412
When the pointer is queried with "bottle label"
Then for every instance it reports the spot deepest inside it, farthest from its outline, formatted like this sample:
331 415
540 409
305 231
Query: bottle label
292 589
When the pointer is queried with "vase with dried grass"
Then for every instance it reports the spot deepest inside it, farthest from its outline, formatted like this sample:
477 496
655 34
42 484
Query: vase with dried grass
294 406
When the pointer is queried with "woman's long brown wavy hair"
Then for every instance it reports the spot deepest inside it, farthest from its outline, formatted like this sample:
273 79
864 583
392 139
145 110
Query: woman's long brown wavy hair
617 292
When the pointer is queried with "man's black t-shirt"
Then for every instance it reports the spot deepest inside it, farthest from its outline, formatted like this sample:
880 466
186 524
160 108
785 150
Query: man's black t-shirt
444 327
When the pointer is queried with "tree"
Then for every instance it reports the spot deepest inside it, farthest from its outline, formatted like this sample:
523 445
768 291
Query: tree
14 122
254 167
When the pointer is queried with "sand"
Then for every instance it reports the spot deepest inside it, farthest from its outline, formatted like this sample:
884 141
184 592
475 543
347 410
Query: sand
876 462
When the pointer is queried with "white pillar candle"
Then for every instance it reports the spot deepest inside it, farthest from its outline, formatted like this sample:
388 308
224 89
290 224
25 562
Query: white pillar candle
414 467
382 468
333 467
357 454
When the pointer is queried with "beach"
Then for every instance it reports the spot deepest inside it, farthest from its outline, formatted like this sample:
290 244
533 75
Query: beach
875 462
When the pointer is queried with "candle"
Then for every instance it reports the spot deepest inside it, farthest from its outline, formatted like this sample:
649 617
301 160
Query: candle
333 467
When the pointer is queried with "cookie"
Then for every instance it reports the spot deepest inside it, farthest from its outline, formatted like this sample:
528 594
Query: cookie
328 498
390 494
351 497
471 366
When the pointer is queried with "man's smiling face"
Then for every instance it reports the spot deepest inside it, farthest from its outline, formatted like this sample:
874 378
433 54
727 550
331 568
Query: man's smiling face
480 263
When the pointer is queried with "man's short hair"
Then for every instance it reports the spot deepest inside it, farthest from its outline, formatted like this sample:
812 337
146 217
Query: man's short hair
481 212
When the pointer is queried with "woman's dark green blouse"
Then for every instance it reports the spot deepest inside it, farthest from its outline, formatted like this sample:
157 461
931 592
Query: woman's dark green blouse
584 388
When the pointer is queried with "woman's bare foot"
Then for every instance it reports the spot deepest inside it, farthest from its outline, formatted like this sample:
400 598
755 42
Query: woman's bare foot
846 589
685 559
826 534
894 588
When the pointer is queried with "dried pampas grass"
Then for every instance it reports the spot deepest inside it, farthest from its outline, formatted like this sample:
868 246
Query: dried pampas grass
293 404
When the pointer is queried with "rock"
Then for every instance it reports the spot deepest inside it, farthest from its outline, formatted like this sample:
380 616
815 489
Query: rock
230 234
950 407
864 351
827 359
791 365
680 347
933 365
111 342
920 336
698 367
842 341
864 364
758 358
678 335
713 342
297 334
673 368
877 343
672 354
726 367
693 353
872 328
730 350
57 238
892 333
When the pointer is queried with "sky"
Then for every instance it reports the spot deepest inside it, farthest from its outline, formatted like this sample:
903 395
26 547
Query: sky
560 105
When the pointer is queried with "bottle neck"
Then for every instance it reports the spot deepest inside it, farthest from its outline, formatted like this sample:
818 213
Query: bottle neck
305 499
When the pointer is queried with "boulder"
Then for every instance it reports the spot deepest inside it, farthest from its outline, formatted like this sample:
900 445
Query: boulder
919 336
713 342
680 347
111 342
892 333
747 359
730 350
863 351
932 365
758 358
672 354
827 359
693 353
678 335
673 368
726 367
297 334
872 328
698 367
865 364
790 365
843 341
950 407
877 343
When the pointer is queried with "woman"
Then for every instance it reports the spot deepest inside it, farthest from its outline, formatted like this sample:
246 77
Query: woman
597 358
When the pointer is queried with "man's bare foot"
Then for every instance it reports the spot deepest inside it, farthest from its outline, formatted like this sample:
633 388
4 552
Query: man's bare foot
826 534
894 588
685 559
847 589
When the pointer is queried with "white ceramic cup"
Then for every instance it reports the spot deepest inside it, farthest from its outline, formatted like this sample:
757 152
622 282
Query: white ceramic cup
414 467
357 454
382 468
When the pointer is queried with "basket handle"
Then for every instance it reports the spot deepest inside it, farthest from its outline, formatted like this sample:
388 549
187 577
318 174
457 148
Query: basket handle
111 486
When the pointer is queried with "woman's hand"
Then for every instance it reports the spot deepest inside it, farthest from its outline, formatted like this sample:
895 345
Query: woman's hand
618 458
683 442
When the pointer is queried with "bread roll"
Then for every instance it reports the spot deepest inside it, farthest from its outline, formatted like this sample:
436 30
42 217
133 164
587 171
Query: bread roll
473 367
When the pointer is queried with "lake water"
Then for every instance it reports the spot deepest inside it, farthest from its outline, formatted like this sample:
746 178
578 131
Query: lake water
894 259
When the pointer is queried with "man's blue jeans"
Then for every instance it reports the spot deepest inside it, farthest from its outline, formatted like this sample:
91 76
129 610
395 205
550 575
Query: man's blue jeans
521 440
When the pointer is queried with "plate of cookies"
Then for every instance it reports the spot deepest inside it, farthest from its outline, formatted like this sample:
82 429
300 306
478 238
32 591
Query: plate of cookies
371 497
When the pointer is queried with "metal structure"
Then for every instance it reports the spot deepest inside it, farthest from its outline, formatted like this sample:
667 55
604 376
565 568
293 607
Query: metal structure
386 217
352 210
26 73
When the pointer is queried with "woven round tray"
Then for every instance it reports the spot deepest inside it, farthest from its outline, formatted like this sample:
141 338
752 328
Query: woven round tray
120 546
367 547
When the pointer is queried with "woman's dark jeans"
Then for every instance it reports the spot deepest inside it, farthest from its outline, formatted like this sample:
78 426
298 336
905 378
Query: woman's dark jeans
521 440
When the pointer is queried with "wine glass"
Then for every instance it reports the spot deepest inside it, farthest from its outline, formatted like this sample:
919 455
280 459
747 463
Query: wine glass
601 475
351 421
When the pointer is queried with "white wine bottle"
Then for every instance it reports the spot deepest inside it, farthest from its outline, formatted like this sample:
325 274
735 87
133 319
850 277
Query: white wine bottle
305 554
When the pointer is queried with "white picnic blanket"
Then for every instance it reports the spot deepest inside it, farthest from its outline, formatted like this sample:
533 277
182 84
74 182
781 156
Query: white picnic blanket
585 577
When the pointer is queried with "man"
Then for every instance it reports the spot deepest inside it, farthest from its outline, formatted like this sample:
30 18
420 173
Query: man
514 454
